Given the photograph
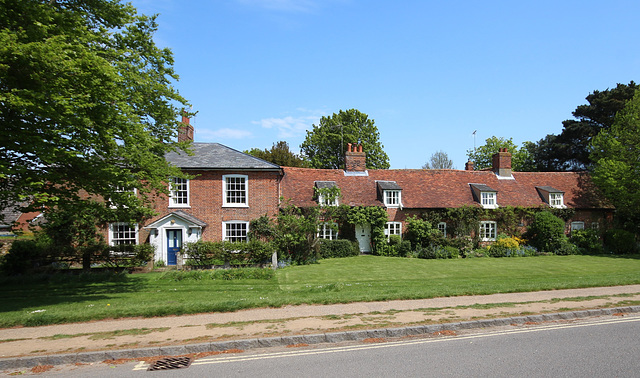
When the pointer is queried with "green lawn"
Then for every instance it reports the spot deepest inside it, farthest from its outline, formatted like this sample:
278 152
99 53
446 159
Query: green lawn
364 278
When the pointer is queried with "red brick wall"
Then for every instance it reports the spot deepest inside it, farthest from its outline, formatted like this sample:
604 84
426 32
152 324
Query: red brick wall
206 200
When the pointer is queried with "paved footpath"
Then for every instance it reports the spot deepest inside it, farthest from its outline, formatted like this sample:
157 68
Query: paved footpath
102 340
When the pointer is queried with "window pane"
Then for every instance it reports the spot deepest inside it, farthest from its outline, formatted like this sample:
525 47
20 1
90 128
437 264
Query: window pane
236 190
179 192
123 234
236 232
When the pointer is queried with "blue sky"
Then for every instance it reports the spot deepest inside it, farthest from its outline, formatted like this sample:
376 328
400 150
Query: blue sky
428 72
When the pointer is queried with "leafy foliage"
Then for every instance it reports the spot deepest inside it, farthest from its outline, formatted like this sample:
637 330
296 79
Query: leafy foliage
325 145
546 232
483 155
570 150
338 248
620 241
377 217
439 160
420 232
279 154
616 154
86 108
238 253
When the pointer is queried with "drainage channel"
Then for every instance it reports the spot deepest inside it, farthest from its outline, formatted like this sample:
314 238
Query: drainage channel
170 363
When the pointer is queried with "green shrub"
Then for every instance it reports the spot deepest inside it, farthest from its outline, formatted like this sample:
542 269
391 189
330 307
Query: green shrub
437 252
420 232
337 248
587 241
404 249
27 255
566 248
546 232
620 241
209 253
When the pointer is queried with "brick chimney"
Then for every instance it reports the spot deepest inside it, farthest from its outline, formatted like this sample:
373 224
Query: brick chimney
355 159
469 166
502 163
185 131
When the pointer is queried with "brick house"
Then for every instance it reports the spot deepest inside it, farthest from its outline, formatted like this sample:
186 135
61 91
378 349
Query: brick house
407 192
227 190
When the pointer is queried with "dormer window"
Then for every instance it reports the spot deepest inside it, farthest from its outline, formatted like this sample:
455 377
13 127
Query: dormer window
486 196
556 200
392 198
327 193
553 197
391 193
488 199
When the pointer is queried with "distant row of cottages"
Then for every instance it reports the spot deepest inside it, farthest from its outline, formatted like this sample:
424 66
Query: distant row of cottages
230 188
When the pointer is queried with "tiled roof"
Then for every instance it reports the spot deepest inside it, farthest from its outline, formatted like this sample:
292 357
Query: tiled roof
11 213
442 188
217 156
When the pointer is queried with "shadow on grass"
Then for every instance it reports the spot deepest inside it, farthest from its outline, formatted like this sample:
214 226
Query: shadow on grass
29 291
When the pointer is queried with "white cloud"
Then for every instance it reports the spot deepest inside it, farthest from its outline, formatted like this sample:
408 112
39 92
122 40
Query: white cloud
223 134
289 127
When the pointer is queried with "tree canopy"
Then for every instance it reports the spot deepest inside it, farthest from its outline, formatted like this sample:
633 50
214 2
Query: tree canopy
87 111
279 154
439 160
616 158
325 145
87 108
483 155
569 151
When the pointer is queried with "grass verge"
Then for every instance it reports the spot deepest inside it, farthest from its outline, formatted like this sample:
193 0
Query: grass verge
365 278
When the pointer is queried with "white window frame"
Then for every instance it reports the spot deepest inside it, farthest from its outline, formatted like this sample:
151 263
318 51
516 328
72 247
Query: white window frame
225 189
323 202
488 230
595 225
392 228
115 237
327 230
122 189
392 198
556 200
442 227
227 231
174 193
577 225
489 200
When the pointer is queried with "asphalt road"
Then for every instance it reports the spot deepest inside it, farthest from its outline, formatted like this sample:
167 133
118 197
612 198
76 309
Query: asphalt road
602 347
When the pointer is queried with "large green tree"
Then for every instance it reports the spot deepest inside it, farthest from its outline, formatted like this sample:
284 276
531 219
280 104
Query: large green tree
569 151
87 107
279 154
326 143
483 155
616 157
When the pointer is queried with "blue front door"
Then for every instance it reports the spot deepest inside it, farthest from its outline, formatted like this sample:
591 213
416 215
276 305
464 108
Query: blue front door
174 243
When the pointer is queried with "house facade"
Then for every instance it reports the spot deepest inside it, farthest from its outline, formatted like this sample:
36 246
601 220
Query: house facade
406 192
226 189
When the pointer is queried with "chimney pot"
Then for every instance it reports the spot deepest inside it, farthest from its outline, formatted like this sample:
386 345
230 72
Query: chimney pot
502 163
185 130
469 166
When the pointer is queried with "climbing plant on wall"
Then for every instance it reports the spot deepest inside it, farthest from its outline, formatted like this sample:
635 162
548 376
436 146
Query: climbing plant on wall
376 216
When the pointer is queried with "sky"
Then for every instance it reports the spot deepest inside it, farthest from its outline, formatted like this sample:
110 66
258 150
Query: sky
429 73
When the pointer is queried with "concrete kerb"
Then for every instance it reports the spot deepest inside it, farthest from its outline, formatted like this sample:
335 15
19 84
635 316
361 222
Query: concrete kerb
335 337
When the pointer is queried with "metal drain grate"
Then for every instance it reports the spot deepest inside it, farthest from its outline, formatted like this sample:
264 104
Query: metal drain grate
170 363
